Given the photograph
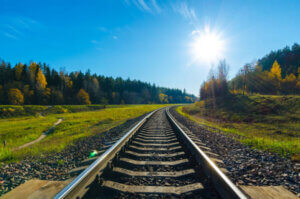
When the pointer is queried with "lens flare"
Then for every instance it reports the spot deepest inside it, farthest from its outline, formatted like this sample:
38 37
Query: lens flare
93 153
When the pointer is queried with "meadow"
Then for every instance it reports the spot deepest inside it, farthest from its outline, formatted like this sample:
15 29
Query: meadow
270 123
78 122
7 111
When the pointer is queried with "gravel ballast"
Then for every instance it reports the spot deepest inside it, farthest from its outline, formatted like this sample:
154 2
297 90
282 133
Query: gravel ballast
55 166
246 166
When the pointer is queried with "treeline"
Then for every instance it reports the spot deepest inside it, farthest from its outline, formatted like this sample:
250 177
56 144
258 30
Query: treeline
37 83
276 73
288 58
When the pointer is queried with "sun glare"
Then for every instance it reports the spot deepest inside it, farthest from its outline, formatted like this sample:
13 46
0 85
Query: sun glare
207 46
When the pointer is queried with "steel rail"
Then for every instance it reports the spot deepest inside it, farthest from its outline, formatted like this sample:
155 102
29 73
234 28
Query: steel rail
222 183
78 187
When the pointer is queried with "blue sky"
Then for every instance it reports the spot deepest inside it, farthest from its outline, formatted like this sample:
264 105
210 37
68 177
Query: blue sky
149 40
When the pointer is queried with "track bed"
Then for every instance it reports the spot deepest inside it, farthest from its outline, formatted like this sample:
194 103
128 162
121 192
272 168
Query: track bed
153 164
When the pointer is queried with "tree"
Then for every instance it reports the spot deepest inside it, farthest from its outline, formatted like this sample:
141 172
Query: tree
2 72
15 96
216 85
57 97
275 76
41 82
83 97
1 95
33 67
94 90
46 95
28 94
163 98
245 72
222 78
289 83
41 85
275 71
19 71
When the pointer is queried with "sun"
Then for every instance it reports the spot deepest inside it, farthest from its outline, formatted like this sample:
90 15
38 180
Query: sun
207 46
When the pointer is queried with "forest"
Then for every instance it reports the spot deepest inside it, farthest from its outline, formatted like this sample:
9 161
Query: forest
37 83
277 73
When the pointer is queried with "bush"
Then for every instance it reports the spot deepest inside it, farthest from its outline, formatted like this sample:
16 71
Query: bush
15 96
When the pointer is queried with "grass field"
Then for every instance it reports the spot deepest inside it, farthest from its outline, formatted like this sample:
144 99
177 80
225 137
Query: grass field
7 111
22 129
269 123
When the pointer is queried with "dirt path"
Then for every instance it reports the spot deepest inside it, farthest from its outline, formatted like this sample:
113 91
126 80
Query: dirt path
40 138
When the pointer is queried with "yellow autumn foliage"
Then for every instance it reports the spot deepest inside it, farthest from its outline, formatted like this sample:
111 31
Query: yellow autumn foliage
83 97
41 82
15 96
275 71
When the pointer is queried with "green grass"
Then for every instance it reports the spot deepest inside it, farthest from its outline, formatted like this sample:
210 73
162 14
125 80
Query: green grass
270 123
9 111
20 130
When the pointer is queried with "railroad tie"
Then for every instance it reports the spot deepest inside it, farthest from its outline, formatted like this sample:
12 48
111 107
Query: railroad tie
153 173
155 149
146 162
152 189
156 144
156 140
167 155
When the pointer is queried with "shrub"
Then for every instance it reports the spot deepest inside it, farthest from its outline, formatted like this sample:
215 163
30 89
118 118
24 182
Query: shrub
15 96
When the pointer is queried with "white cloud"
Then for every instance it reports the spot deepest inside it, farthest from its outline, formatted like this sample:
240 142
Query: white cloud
25 22
16 27
150 6
142 4
155 5
13 29
184 10
10 35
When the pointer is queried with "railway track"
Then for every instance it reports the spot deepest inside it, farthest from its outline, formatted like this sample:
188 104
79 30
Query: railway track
155 159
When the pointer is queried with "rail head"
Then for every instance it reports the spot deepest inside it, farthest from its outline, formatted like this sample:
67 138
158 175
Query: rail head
76 187
225 187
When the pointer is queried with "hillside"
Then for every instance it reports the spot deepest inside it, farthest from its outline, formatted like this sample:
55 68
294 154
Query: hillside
264 122
276 73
